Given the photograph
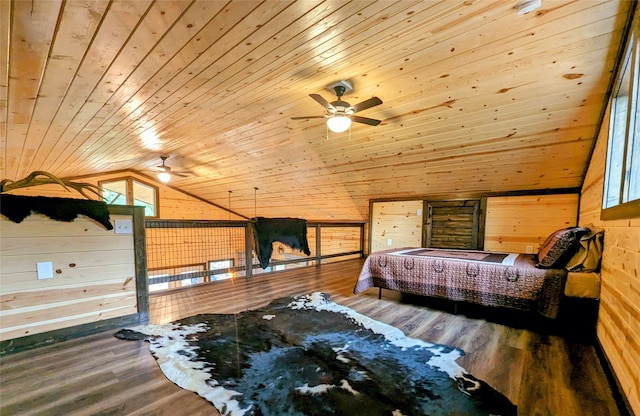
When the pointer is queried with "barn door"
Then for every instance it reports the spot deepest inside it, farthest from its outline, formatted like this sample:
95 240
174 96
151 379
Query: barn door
454 224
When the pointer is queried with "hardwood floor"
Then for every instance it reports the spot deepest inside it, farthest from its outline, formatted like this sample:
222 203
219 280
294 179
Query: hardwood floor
543 374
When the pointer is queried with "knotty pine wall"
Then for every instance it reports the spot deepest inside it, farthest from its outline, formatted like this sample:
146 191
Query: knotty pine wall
94 275
396 224
174 204
619 316
336 240
512 222
101 283
515 222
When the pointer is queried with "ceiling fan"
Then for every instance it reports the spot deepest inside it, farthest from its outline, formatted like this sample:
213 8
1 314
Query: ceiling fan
165 171
340 113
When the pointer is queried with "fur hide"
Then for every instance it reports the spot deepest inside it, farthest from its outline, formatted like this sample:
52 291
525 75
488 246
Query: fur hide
17 207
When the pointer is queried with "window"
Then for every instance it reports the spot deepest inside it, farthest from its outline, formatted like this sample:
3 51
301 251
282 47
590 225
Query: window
129 191
621 198
223 269
191 280
153 287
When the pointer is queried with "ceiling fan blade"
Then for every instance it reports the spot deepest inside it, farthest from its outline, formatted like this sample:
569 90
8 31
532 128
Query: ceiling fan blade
307 117
365 120
320 100
371 102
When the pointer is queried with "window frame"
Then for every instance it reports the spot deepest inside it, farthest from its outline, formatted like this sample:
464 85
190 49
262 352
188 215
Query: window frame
631 52
129 180
212 266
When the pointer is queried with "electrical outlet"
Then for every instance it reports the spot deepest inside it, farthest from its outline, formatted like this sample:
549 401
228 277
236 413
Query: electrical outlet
389 241
529 249
124 226
44 270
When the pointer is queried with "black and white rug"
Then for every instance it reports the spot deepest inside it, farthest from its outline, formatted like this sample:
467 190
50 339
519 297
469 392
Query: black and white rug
309 356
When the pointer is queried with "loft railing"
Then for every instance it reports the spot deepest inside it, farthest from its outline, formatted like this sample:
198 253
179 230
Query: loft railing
187 252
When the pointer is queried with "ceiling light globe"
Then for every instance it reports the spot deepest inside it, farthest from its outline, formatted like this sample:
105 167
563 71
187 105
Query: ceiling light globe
527 6
338 124
164 177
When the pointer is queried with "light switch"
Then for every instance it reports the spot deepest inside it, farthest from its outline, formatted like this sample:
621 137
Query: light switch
45 270
124 227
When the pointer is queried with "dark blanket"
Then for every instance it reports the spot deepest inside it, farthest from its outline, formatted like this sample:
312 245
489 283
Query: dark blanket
310 356
289 231
17 207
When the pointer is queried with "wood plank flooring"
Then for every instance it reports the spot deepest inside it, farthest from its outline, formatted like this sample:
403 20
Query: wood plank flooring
543 374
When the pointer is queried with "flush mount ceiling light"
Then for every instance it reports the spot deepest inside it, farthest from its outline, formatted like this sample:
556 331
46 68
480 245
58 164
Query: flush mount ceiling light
527 6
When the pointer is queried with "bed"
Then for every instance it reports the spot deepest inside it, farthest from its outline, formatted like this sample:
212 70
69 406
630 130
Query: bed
528 282
506 280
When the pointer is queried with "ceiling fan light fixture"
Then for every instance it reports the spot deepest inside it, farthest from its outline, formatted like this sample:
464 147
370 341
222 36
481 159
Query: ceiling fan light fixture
338 123
527 6
164 177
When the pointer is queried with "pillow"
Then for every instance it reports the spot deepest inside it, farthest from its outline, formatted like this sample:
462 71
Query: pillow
588 253
559 246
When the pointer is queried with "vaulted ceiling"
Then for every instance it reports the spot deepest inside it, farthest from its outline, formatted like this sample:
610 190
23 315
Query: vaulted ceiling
476 97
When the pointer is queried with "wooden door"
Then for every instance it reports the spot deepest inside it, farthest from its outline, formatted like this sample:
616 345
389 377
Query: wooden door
454 224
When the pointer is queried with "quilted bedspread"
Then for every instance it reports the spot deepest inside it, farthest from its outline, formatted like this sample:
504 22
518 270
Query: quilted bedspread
485 278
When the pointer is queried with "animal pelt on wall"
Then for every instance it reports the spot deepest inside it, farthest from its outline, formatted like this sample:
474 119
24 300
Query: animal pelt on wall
289 231
17 207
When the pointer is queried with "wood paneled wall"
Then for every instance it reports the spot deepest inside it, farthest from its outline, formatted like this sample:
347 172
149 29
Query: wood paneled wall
396 222
515 222
174 204
512 222
337 240
619 317
180 206
96 279
94 275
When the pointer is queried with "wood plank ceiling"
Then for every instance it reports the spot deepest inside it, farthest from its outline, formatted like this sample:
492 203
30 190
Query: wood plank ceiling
476 98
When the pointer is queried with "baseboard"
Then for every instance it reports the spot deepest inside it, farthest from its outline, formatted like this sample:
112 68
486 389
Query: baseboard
618 392
29 342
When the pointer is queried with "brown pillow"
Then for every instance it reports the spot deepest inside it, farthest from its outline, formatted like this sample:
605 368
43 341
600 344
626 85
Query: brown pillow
559 247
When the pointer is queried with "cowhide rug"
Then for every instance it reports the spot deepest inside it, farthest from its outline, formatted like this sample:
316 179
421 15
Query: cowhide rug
309 356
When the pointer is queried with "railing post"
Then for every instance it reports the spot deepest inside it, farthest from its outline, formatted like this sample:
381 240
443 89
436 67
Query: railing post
248 253
318 245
